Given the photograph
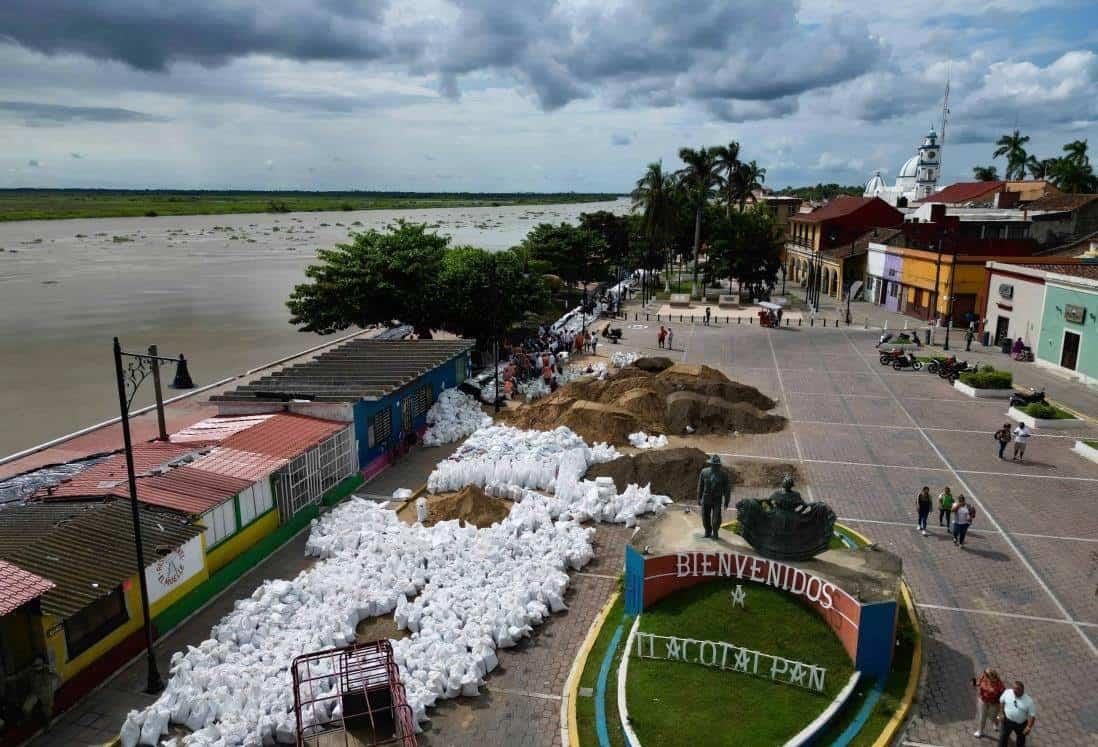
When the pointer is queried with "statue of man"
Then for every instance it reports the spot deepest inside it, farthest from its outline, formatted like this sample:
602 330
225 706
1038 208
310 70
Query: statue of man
714 489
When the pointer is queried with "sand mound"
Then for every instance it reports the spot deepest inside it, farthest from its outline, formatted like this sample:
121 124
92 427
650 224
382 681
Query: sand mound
471 505
674 472
652 395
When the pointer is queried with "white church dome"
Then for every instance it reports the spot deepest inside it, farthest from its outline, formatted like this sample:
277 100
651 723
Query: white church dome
874 186
909 168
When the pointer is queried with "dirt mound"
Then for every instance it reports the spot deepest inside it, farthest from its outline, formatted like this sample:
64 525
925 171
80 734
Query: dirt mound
471 505
657 397
674 472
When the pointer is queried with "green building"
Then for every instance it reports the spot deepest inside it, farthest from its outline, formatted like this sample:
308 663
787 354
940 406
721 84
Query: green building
1069 324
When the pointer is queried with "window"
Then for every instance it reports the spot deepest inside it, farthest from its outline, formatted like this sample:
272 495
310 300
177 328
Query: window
308 477
255 501
381 425
220 523
422 400
893 290
91 624
462 368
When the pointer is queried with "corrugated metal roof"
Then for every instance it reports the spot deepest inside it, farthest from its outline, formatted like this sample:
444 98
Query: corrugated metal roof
285 435
215 430
17 587
186 489
246 465
358 369
86 550
101 479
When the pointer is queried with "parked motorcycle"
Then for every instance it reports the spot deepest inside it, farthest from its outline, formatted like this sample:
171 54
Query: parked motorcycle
952 373
1019 399
936 364
907 360
884 338
890 355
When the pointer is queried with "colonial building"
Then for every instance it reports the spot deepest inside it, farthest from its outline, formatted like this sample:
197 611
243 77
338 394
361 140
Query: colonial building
829 242
917 178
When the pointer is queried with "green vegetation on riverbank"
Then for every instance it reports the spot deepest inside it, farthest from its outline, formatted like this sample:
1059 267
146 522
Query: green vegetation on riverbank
47 204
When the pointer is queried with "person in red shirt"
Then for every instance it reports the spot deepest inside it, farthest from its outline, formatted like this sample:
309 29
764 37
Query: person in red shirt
988 687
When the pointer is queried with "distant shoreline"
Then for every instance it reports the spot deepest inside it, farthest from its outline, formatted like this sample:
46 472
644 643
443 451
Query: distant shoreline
60 204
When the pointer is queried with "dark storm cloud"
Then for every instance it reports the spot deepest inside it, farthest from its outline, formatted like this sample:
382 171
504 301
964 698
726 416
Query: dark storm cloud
32 113
150 35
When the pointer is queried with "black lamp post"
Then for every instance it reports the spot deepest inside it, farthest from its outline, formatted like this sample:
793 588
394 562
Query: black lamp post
129 378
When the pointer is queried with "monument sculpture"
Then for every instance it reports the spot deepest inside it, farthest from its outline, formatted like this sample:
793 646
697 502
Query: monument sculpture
783 526
714 490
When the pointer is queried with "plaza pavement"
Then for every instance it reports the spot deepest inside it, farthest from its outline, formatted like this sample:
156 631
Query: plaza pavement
1020 598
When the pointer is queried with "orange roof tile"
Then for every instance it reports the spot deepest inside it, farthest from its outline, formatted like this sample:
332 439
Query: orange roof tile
215 430
964 192
284 435
17 587
186 489
246 465
101 479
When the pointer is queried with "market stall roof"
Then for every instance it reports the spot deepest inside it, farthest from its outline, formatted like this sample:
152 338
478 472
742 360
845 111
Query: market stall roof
358 369
17 587
86 550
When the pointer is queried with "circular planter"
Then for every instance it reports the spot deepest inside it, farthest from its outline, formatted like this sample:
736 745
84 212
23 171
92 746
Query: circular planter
972 391
1086 451
1048 424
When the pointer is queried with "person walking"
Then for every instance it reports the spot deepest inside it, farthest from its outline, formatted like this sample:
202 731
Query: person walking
1018 712
661 336
963 514
1003 437
970 335
945 508
708 313
670 339
594 344
1021 438
988 690
923 504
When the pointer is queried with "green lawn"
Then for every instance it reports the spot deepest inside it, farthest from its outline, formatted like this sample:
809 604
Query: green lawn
1092 443
40 204
585 706
676 703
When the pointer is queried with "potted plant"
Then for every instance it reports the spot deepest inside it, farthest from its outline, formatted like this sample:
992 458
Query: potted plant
986 383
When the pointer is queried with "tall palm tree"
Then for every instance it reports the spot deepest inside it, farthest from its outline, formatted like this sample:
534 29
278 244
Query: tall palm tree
697 180
1076 151
654 194
1040 168
985 173
728 162
1074 176
749 177
1012 146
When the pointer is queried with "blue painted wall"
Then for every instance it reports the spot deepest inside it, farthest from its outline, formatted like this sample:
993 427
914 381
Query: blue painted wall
634 581
876 638
442 377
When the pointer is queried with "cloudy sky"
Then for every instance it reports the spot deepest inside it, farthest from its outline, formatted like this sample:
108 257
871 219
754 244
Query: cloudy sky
539 95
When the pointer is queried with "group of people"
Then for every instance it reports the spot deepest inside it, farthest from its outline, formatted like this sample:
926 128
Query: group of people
1020 436
1009 709
665 338
544 356
955 514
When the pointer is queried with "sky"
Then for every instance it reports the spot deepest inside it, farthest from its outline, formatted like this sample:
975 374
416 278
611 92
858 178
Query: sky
527 95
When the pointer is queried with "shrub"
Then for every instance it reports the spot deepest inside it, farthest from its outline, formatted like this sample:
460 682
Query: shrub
988 378
1045 412
151 213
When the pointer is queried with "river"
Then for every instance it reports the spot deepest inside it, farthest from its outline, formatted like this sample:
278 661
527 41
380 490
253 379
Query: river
212 287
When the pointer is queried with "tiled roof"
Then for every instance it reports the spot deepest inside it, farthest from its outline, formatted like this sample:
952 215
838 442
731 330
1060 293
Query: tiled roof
17 587
358 369
1062 202
836 208
965 192
245 465
101 479
186 489
215 430
285 435
1087 270
86 550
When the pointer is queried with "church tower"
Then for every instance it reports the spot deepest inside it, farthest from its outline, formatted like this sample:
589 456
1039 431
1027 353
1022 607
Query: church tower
930 160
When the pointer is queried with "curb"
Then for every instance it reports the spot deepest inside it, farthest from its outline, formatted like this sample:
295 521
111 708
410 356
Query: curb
892 728
569 729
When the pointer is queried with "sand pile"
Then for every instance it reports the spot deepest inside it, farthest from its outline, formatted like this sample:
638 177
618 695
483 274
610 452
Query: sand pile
674 472
653 395
471 505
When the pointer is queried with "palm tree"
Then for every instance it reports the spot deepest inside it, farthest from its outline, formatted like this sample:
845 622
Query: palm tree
653 193
985 173
749 177
728 162
697 180
1074 176
1076 151
1040 168
1011 146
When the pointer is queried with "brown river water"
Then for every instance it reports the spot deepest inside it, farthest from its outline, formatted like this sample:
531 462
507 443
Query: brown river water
184 283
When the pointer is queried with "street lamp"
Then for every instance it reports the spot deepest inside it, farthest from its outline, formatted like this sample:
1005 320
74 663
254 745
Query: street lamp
129 378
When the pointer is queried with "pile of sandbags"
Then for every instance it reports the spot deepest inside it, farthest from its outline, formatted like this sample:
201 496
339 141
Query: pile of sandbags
621 360
453 417
642 440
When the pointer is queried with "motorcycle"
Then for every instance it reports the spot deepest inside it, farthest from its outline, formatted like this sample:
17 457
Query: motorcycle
884 338
1025 354
888 356
908 360
951 373
936 364
1033 395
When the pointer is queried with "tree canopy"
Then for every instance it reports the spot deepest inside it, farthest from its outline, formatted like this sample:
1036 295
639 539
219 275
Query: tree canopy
985 173
747 246
573 253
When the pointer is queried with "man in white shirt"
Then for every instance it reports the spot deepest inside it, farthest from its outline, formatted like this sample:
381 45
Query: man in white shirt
1021 438
1018 713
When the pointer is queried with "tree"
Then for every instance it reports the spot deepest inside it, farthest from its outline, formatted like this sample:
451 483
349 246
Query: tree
1040 168
985 173
485 293
748 177
1073 175
573 253
747 246
614 230
655 196
728 162
1076 151
1012 146
697 180
379 278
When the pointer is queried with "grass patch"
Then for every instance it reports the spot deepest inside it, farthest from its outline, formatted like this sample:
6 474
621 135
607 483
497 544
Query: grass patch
585 706
43 204
988 378
893 694
1046 412
676 703
1092 443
